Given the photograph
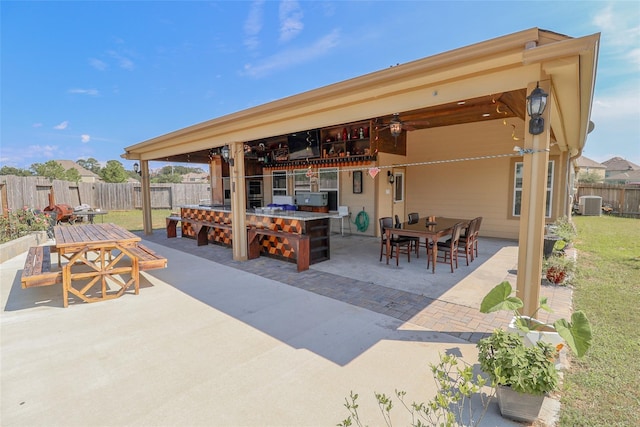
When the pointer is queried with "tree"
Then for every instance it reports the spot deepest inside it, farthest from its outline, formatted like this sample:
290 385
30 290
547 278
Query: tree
72 175
114 172
171 178
10 170
90 164
589 178
50 169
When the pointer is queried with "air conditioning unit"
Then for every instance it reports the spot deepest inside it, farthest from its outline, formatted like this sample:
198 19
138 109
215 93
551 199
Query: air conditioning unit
590 205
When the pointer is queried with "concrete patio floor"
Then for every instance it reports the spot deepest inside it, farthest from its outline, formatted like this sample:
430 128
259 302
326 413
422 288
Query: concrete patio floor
215 342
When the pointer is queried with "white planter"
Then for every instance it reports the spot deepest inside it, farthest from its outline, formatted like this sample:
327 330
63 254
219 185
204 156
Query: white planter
547 334
518 406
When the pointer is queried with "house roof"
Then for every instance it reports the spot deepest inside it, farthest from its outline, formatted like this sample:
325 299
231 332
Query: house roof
585 162
70 164
630 176
492 75
620 164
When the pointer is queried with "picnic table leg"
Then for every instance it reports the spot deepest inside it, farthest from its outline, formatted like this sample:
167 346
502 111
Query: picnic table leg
66 282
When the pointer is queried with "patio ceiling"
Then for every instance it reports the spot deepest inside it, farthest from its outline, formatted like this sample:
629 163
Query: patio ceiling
491 107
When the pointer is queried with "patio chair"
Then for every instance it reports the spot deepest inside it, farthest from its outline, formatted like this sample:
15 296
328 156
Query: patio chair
476 233
449 249
414 218
401 244
465 244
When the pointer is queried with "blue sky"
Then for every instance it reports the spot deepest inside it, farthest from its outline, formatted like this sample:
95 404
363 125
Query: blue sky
87 78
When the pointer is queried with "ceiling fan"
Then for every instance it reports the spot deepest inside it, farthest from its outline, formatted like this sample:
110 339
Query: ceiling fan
396 126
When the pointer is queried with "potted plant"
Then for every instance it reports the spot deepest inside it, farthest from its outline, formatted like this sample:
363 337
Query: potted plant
522 374
575 333
557 268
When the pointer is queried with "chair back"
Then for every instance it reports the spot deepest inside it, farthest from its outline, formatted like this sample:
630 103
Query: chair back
385 222
455 234
477 229
470 231
398 223
343 210
414 217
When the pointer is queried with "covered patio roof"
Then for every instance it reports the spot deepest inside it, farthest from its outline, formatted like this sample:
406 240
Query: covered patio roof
484 81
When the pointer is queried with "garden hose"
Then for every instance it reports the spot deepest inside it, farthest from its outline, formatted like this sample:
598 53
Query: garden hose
362 221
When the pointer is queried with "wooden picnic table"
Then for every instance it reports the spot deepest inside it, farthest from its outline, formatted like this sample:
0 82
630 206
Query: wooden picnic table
98 254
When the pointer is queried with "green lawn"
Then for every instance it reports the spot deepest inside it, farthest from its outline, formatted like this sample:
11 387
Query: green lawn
602 389
132 220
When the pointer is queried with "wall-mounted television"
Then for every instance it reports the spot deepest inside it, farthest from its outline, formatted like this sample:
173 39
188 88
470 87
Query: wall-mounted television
305 144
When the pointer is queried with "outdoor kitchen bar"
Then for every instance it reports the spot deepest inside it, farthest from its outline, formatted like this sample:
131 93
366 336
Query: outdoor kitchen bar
294 236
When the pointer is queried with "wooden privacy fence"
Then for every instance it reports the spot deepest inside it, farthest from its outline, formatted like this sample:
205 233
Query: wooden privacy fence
34 192
624 199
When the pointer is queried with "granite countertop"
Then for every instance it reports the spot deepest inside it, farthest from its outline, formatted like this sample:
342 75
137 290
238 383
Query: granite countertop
299 215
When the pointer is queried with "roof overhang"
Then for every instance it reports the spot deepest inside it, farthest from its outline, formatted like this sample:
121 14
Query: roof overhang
504 65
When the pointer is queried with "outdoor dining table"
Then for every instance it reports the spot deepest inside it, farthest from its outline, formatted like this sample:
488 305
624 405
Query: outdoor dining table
96 253
433 231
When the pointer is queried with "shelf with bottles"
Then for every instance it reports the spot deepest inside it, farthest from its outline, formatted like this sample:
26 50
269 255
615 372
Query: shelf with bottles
346 140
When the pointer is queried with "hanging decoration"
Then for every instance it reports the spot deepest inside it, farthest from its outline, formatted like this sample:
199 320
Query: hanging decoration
374 171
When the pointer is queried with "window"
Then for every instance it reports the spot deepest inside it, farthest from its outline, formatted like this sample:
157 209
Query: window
301 182
398 182
279 183
517 189
328 181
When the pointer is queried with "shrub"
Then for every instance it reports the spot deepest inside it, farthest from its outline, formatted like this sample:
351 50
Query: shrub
19 223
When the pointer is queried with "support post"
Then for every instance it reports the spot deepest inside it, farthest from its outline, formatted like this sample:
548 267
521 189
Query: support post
532 214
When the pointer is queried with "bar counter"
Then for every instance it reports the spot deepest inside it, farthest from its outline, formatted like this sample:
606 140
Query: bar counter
313 224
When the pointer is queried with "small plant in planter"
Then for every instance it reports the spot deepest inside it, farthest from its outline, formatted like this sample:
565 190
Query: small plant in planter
576 333
522 374
557 268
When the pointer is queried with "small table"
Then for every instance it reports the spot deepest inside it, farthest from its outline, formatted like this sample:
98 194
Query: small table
92 245
90 215
442 226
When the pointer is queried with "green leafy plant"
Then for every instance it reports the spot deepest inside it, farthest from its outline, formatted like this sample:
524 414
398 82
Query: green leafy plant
505 358
576 333
565 229
451 406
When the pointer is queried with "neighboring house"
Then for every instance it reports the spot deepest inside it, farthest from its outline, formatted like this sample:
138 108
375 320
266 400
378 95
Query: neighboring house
585 165
193 177
85 175
617 165
625 178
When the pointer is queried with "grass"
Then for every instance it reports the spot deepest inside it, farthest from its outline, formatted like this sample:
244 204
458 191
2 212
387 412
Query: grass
602 388
132 220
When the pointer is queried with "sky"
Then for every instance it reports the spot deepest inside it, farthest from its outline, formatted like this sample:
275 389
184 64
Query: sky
83 79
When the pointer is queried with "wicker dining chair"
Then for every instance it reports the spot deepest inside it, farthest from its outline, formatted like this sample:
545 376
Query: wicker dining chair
466 242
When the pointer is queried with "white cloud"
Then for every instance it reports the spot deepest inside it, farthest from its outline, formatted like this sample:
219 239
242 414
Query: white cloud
85 138
253 25
123 61
98 64
62 125
291 57
290 20
91 92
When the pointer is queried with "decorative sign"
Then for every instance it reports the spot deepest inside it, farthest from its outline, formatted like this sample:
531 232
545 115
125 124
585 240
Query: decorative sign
373 172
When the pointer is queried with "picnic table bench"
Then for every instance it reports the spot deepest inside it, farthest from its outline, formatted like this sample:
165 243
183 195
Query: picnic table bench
37 268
